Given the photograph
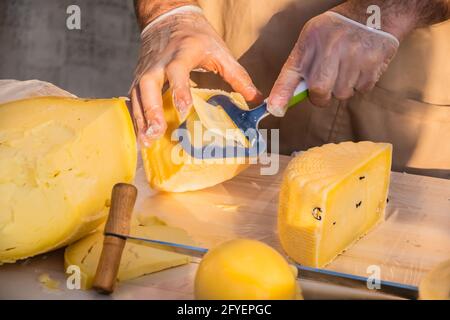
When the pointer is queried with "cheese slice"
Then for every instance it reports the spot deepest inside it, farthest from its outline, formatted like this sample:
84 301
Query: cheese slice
59 159
138 258
330 197
169 168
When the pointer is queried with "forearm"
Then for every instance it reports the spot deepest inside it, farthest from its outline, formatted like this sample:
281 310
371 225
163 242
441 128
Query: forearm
399 17
149 10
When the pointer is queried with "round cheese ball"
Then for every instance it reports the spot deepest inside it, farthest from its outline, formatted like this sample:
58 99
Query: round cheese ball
244 269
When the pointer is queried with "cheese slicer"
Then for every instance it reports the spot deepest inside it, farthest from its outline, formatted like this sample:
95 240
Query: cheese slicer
117 233
247 121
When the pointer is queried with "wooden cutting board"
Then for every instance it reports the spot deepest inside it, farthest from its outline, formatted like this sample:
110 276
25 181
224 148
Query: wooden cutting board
414 238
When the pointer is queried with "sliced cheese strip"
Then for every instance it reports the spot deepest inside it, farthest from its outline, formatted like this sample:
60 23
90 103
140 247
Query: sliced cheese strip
138 258
59 159
330 197
215 119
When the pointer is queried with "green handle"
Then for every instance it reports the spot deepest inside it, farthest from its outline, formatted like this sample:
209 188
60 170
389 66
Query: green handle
300 93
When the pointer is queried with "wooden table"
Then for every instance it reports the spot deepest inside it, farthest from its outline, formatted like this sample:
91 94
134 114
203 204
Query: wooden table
414 238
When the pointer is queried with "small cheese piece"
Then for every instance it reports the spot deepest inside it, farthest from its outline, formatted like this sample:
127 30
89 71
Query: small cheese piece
330 197
169 168
59 159
435 285
138 258
243 269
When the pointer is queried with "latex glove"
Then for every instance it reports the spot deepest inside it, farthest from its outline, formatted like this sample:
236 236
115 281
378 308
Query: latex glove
170 50
336 56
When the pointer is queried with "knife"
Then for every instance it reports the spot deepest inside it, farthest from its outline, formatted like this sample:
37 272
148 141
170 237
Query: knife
117 232
305 273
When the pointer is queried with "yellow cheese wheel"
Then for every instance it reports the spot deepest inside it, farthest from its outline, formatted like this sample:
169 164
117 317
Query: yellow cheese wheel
169 168
330 197
59 159
244 269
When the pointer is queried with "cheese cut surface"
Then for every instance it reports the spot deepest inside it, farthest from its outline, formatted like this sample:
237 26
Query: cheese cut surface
59 159
330 197
138 258
169 168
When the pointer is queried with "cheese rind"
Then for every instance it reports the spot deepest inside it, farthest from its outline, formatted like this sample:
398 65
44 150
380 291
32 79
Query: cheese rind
59 159
330 197
138 258
169 168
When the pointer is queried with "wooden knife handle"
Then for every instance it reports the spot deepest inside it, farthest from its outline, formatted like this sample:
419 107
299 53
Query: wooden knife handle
122 202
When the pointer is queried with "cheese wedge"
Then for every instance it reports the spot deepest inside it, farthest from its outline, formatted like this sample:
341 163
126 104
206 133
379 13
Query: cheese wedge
330 197
138 258
59 159
169 168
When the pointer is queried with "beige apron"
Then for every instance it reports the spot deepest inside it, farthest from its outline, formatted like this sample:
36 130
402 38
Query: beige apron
410 107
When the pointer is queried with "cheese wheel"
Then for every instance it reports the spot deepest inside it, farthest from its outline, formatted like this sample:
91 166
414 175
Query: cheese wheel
169 168
59 159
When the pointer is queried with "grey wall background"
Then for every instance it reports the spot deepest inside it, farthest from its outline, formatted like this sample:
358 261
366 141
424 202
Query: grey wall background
96 61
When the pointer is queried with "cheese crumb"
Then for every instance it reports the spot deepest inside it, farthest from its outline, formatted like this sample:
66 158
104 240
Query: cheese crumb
228 207
47 282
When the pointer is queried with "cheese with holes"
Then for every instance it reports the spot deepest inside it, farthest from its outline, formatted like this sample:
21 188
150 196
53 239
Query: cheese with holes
59 159
170 168
138 258
330 197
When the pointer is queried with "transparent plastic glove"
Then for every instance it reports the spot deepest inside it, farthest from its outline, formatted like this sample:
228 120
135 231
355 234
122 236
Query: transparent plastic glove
336 56
170 50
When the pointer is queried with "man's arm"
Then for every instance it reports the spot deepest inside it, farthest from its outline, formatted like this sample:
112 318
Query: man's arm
149 10
171 48
337 57
398 17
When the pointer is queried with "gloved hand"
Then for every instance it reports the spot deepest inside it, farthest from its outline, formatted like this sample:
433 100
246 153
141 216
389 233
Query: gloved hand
171 48
336 56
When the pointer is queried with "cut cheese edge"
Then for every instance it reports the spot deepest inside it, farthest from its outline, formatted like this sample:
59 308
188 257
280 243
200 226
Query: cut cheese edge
59 159
169 168
331 196
435 285
138 258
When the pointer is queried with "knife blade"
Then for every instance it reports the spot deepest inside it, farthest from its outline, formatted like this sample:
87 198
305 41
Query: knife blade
357 282
176 247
